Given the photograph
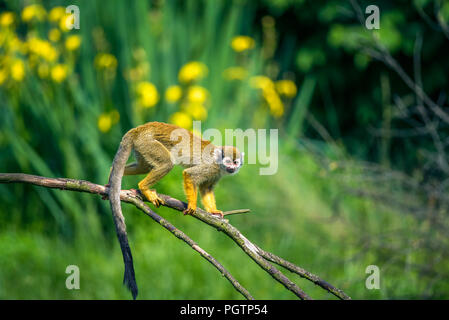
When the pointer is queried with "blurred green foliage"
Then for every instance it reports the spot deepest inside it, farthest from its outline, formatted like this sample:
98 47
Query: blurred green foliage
64 107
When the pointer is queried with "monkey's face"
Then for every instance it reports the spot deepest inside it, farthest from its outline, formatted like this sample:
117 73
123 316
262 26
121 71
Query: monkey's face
229 159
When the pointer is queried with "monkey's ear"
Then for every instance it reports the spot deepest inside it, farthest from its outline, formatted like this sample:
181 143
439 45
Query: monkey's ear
218 155
242 156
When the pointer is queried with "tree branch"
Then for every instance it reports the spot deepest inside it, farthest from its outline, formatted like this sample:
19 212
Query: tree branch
261 257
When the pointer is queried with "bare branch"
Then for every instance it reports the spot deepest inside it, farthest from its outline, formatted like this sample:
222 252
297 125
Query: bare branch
261 257
304 274
379 52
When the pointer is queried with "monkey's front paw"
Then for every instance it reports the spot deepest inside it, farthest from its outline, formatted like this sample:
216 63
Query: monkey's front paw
218 212
152 196
189 210
136 193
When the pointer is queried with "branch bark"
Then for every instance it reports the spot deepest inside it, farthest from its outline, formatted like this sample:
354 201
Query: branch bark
261 257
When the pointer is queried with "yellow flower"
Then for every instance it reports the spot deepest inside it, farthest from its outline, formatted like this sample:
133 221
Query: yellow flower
3 75
43 49
15 44
105 61
181 119
193 70
33 12
6 19
197 94
235 73
59 73
242 43
73 42
148 95
56 14
274 103
66 19
196 110
18 70
104 122
43 70
286 88
269 94
262 82
173 93
54 35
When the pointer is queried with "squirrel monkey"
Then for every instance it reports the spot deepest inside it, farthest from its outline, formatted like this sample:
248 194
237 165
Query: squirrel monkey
157 148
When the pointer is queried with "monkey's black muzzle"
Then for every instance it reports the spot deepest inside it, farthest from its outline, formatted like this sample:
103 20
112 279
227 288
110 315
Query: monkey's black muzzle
230 170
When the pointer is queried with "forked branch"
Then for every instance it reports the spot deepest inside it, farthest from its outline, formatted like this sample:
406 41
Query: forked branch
261 257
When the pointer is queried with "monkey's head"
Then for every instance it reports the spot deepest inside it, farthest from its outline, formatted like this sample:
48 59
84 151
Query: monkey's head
229 158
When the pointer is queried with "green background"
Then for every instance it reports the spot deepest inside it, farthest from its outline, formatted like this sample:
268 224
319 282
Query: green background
310 212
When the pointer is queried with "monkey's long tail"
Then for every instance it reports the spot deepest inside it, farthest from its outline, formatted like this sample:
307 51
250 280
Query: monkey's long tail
115 185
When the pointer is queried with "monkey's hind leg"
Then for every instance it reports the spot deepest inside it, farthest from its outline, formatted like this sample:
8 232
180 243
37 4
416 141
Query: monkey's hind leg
190 191
157 158
208 199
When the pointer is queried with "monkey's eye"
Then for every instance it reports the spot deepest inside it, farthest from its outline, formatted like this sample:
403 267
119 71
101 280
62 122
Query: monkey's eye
227 161
236 162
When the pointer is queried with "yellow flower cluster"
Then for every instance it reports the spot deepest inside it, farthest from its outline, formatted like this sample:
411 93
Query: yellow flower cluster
271 92
63 20
35 54
43 49
33 12
192 97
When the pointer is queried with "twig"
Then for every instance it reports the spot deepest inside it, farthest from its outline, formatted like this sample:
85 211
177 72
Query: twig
261 257
226 213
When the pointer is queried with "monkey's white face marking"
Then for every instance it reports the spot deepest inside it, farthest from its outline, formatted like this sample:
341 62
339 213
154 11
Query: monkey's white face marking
228 164
231 166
